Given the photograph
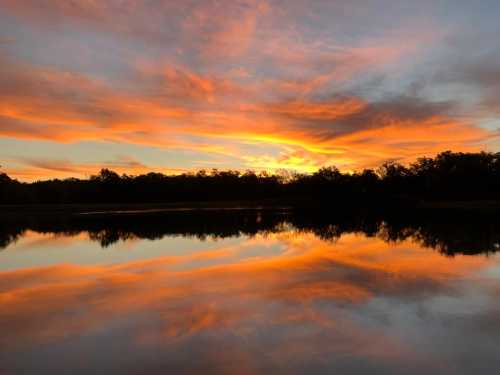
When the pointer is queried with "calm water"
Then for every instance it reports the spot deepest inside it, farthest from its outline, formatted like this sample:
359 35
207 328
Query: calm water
249 293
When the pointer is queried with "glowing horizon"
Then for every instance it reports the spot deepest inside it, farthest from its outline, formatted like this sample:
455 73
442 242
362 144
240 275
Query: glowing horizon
247 84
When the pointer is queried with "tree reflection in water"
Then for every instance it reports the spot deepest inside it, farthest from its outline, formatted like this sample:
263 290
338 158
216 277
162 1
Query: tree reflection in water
448 233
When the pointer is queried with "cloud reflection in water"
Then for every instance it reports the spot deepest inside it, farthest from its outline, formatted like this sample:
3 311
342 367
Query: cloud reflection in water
309 306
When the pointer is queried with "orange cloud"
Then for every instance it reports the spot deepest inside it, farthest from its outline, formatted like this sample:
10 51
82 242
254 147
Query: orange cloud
225 30
350 132
32 169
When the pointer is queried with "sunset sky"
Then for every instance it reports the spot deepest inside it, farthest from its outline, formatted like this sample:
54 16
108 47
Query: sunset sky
181 85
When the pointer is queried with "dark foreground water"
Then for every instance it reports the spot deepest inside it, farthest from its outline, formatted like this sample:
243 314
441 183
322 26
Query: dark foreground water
249 292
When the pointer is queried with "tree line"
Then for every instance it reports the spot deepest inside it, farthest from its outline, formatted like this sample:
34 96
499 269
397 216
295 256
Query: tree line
446 177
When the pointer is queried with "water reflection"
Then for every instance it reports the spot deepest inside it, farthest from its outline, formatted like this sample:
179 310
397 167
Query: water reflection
449 234
264 293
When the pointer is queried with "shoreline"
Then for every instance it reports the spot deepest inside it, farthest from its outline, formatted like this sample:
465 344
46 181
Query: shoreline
135 208
96 209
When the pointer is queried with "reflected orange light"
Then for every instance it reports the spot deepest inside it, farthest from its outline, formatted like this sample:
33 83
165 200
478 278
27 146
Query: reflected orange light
36 303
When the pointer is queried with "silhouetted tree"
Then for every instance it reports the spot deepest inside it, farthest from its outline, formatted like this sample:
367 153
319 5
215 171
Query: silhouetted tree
448 176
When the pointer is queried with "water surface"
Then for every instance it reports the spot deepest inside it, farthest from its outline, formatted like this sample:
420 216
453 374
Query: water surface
249 293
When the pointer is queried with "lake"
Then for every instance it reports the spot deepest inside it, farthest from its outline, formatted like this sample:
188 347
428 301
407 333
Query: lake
250 291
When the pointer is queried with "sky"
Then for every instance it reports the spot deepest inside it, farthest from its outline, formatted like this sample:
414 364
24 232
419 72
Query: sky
182 85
